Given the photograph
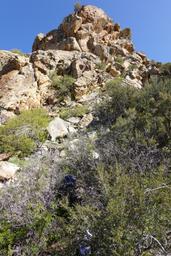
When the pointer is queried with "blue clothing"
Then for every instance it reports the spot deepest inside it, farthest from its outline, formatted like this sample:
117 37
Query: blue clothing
69 180
85 250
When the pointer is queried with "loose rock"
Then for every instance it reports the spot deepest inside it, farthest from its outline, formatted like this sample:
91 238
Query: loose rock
7 170
58 128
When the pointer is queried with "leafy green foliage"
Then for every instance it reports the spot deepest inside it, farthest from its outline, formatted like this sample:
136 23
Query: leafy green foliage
125 192
165 69
77 111
8 236
18 161
63 85
101 66
21 134
120 99
154 113
147 111
137 206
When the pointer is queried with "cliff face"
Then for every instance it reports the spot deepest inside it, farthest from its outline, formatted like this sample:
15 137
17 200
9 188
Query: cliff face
86 40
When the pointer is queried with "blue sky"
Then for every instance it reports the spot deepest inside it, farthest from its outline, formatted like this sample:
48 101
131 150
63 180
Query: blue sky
150 21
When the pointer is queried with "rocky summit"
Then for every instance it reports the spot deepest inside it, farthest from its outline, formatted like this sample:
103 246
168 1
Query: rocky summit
85 40
85 144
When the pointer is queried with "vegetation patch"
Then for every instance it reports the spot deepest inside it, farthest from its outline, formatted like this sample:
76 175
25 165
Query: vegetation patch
165 69
18 161
21 134
119 59
19 52
101 66
77 111
122 197
64 85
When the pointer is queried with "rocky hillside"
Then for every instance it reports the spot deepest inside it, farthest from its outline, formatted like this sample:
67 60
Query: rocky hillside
85 125
87 46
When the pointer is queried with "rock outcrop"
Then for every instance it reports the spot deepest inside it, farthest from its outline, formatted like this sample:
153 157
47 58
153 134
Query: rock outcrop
18 87
88 29
85 40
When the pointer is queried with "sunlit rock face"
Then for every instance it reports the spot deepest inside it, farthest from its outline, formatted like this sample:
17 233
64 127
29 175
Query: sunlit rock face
85 39
84 30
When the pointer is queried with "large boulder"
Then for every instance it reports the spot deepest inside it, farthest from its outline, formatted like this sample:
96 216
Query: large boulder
69 44
58 128
7 170
10 61
93 14
71 24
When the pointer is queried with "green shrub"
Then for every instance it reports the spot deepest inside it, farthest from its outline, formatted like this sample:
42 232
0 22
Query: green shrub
153 117
19 52
137 207
8 237
120 99
151 107
132 209
119 59
125 193
21 134
101 66
165 69
18 161
64 85
77 111
21 145
13 234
